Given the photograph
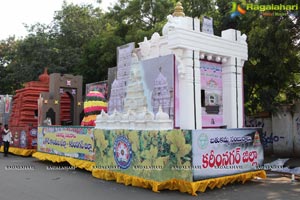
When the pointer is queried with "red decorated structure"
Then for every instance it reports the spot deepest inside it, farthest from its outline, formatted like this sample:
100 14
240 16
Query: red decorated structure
23 119
61 94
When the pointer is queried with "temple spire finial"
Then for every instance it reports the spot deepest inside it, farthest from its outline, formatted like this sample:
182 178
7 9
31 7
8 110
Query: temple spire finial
178 11
44 77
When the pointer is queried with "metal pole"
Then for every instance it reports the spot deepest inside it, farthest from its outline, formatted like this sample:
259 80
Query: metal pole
194 78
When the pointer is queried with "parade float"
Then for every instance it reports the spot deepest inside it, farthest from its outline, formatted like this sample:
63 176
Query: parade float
52 100
70 141
23 118
174 118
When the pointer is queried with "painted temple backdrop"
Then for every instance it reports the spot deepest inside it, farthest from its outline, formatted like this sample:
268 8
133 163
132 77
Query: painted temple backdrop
158 75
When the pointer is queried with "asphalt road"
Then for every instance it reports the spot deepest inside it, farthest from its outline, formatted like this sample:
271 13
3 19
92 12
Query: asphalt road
27 178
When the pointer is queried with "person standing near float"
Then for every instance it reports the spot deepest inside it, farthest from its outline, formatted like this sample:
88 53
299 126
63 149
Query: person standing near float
7 139
1 133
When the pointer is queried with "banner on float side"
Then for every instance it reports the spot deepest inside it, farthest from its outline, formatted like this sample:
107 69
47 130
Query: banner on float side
75 142
24 137
153 155
223 152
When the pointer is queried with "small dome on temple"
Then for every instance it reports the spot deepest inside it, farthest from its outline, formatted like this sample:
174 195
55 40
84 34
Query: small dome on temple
103 115
155 37
178 11
149 115
161 115
44 77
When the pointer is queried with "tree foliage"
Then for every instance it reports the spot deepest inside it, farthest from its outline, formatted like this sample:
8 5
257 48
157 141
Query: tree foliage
270 73
8 52
136 19
83 40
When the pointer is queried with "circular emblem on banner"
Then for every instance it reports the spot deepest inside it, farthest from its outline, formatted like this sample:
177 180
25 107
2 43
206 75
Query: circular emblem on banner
33 132
122 152
202 141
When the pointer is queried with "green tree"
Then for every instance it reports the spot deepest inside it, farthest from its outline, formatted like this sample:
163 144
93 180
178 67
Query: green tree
273 61
99 55
137 19
76 27
8 51
60 46
83 40
269 73
195 8
30 56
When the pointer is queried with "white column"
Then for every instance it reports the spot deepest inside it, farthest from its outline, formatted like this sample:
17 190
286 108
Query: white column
189 105
233 97
198 90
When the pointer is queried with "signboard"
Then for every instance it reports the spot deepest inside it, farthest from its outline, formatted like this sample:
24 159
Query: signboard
153 155
207 25
211 94
124 54
101 86
76 142
5 108
7 100
222 152
24 137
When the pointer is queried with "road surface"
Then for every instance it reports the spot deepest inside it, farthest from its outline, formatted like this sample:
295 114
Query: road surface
27 178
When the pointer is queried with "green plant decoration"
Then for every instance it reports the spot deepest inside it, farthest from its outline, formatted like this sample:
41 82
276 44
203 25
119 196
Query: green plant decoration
178 145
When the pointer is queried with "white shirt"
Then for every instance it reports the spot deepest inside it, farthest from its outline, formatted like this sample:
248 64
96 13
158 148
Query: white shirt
8 136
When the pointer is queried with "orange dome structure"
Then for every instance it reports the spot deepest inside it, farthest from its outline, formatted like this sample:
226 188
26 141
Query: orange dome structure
44 78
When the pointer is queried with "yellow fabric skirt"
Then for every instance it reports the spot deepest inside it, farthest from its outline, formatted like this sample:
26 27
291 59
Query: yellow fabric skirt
175 184
82 164
19 151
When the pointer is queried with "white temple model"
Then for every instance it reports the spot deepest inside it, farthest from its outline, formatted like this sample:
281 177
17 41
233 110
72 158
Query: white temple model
188 45
135 99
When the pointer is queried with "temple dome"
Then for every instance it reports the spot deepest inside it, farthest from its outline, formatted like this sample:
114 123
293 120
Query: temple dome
161 115
44 78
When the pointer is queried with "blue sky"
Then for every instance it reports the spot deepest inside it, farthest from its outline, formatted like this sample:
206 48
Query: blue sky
14 13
